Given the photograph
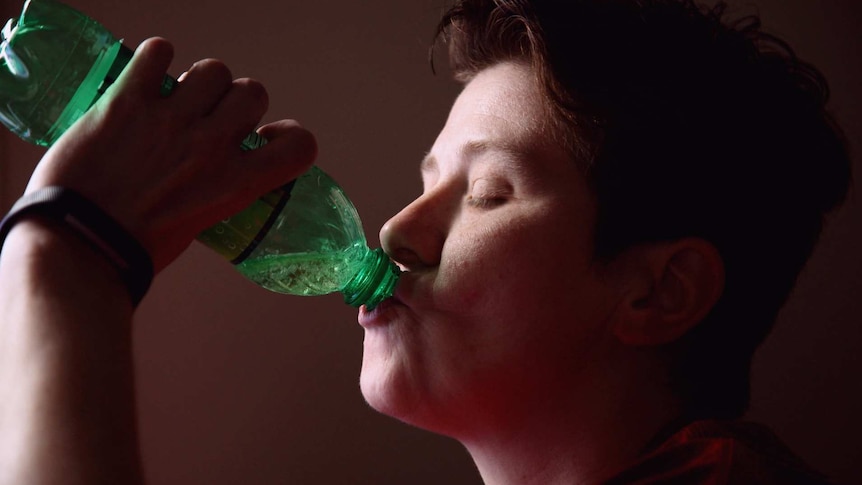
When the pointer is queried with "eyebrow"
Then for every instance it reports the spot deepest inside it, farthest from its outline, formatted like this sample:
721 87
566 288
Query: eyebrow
474 148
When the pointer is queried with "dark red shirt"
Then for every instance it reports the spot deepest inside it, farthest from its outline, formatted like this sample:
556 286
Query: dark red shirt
720 453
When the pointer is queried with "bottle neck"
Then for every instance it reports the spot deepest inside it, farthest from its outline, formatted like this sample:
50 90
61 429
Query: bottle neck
374 282
88 91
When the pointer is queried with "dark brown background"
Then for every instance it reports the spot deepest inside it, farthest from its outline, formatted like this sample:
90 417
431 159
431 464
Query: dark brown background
238 385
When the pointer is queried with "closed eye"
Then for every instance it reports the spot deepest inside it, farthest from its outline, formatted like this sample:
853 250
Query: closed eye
486 193
485 202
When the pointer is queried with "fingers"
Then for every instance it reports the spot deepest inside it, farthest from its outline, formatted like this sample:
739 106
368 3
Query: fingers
239 111
202 88
290 152
145 72
167 167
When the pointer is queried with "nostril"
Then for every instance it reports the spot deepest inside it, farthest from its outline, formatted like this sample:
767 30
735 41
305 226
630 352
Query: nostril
406 259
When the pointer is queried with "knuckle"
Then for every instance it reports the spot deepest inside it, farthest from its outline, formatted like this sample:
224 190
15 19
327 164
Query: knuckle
212 69
303 141
252 89
156 46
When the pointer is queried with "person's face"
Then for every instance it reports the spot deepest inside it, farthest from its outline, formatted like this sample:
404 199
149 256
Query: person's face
501 304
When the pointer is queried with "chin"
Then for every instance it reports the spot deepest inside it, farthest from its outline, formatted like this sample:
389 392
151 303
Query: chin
402 377
394 391
391 388
384 384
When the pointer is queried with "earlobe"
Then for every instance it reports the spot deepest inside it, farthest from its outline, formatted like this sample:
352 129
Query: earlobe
673 286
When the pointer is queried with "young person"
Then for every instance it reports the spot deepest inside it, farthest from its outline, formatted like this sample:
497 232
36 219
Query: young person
613 215
619 203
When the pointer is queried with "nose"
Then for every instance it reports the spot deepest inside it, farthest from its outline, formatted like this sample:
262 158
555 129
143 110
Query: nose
414 237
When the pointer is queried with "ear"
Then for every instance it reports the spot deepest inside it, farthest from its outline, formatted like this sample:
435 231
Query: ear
668 288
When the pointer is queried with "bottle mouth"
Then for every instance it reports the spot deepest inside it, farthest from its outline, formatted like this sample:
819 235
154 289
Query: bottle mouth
374 285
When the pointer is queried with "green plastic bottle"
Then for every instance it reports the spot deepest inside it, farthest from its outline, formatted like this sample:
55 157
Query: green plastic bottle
303 239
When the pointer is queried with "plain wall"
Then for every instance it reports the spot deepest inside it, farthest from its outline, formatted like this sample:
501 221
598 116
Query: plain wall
239 385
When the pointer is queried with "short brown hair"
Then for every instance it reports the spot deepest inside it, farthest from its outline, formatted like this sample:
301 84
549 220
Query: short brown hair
684 125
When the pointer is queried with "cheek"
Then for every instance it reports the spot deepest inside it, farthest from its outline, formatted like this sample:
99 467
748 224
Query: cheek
461 283
530 259
484 266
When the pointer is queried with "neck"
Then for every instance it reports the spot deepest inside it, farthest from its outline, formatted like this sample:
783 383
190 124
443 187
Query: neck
582 437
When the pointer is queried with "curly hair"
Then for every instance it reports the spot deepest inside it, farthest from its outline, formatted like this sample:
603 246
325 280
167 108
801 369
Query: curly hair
684 124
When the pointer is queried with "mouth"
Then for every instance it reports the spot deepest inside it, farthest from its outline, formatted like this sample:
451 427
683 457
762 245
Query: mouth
380 315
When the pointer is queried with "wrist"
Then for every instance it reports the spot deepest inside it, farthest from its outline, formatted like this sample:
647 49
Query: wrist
66 207
45 257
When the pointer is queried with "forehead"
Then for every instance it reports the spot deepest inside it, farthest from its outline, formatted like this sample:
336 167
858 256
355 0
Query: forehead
502 110
506 91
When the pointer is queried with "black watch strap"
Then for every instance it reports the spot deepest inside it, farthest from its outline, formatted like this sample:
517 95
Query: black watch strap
95 226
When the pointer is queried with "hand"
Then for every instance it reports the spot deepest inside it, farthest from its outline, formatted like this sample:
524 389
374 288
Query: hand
167 168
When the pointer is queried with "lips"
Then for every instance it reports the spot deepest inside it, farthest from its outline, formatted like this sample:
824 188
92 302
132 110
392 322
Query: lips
381 315
386 311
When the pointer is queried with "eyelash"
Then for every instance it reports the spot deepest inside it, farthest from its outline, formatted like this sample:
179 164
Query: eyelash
485 202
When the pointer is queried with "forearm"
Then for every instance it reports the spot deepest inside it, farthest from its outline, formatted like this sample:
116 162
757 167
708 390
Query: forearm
66 373
164 168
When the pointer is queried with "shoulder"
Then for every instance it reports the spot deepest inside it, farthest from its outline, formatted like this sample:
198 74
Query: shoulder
719 453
